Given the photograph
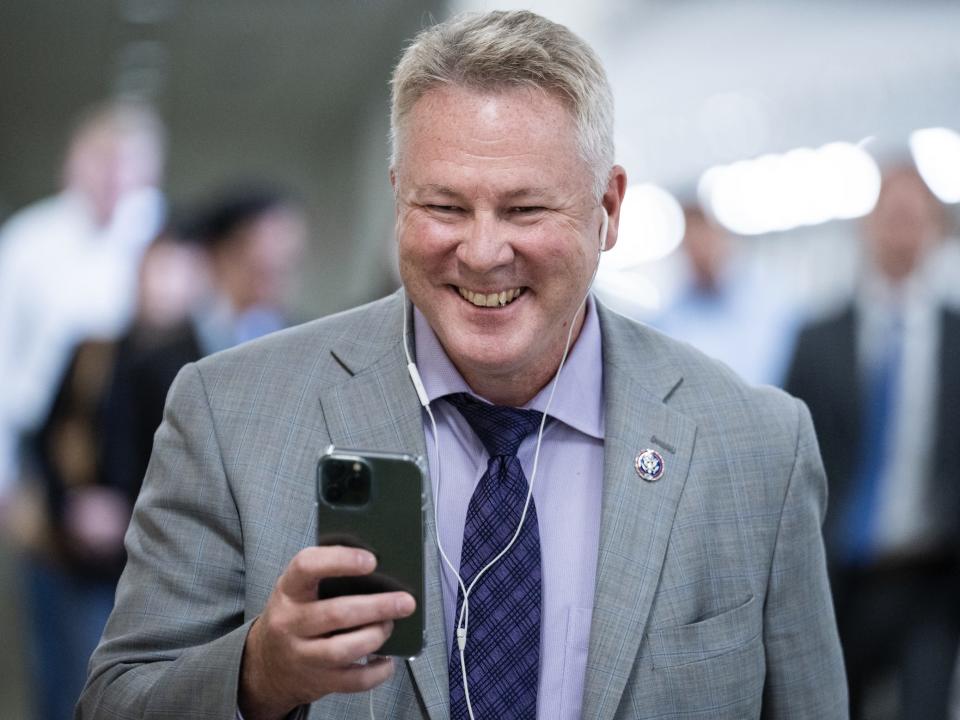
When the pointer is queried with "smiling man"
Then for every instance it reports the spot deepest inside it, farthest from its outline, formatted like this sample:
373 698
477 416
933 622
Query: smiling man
498 224
632 530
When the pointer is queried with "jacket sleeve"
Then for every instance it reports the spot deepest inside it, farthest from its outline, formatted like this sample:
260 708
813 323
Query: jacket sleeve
805 673
173 645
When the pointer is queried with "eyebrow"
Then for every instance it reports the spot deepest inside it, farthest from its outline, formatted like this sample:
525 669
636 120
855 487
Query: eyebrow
520 193
438 189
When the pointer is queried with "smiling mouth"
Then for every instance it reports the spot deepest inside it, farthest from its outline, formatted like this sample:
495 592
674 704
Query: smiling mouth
497 299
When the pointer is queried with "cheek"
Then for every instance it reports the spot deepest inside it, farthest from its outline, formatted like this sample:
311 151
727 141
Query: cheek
424 242
571 260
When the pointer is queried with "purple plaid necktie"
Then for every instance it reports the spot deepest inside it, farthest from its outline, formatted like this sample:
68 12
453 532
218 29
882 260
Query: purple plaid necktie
503 642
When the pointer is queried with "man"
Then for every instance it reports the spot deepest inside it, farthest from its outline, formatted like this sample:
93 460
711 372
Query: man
68 263
680 568
68 273
883 385
252 239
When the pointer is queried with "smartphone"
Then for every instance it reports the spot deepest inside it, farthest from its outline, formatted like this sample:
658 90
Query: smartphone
375 501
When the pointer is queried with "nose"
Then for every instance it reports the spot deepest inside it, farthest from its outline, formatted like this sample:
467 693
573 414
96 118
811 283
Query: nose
486 244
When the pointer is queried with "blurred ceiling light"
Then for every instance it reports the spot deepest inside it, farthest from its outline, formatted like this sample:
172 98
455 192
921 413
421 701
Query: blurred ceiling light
629 293
651 227
801 187
936 152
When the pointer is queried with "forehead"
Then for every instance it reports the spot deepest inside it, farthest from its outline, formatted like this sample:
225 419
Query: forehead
903 183
522 130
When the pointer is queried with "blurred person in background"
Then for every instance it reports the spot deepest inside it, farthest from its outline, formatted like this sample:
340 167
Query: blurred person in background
252 239
68 263
724 309
77 550
882 381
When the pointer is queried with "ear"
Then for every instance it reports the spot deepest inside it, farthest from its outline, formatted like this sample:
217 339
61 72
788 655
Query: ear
612 201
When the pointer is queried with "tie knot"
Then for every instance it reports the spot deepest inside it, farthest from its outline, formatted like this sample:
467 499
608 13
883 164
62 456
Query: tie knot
501 429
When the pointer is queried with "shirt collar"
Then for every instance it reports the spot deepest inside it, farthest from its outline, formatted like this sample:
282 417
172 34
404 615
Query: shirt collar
578 401
912 300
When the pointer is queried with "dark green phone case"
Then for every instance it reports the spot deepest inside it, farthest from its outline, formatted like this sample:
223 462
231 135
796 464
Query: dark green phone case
390 524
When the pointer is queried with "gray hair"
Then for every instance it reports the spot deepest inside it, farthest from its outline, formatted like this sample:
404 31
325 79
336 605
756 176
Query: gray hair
498 50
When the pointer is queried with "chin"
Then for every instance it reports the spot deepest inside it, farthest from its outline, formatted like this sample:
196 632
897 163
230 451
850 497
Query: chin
485 353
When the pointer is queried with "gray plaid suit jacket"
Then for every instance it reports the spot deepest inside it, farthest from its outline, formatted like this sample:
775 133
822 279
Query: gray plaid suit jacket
711 601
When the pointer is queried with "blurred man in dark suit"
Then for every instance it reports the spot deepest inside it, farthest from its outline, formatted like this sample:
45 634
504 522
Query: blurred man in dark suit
882 381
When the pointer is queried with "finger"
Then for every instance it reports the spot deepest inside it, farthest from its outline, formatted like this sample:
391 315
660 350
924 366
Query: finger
340 651
358 678
299 580
351 611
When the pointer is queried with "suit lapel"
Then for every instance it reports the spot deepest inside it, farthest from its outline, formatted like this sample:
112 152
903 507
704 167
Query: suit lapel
377 409
637 515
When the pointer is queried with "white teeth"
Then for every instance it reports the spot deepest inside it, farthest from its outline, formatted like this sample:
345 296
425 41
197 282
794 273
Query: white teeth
504 297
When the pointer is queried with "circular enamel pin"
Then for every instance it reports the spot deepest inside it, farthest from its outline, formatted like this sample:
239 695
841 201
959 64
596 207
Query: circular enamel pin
649 465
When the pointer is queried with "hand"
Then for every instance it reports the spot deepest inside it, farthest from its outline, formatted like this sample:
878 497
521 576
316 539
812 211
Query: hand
301 648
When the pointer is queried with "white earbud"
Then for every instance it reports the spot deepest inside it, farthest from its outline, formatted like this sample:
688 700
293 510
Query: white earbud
603 229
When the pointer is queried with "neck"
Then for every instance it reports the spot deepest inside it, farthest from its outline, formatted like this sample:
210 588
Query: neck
511 391
98 214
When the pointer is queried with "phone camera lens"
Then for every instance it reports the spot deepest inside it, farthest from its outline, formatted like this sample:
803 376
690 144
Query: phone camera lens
354 482
334 491
346 483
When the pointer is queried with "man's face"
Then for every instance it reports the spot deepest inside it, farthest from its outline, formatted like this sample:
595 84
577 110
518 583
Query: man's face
257 265
105 165
498 231
707 248
904 225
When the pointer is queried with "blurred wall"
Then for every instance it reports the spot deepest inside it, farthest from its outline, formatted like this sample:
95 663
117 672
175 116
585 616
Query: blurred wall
295 91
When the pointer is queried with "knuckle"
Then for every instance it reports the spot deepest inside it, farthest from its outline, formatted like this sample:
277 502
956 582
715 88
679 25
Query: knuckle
284 612
333 615
299 563
339 654
382 635
388 608
375 639
273 620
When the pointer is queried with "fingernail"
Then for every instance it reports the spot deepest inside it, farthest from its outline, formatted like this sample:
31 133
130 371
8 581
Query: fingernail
405 605
366 560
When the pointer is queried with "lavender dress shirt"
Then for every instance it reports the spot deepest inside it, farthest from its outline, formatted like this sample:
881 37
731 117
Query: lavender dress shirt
567 491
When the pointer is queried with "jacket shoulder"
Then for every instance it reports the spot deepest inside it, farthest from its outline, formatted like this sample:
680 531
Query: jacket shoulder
314 350
687 374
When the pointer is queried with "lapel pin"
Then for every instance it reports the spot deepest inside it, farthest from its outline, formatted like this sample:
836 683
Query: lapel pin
649 465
